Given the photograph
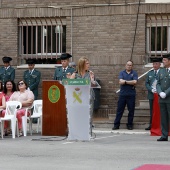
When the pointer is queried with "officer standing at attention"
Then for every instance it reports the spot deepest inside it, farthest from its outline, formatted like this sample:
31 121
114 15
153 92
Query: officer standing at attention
7 72
127 80
150 83
32 77
163 89
65 70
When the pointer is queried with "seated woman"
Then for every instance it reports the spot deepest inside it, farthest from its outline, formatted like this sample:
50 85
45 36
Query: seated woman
9 88
1 87
2 99
26 97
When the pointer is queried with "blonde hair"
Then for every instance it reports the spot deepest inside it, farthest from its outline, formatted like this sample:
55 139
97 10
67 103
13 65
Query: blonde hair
81 64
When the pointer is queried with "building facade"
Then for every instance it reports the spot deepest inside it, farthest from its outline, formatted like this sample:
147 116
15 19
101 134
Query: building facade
108 32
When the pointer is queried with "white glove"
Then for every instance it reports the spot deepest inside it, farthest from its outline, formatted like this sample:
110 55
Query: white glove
162 95
153 90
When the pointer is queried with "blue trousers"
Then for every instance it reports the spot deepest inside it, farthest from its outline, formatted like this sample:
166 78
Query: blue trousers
122 102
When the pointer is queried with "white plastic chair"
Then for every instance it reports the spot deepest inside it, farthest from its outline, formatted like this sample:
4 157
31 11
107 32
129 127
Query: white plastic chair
24 122
37 113
10 115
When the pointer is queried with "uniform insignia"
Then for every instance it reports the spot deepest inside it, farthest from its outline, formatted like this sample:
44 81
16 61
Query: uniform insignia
34 76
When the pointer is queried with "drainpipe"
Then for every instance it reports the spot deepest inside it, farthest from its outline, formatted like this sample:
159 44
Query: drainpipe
71 32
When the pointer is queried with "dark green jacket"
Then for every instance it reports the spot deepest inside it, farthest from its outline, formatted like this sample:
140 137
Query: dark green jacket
32 81
163 85
60 75
150 78
8 74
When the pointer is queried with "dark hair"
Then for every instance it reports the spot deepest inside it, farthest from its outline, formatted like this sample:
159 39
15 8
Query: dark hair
13 86
24 83
1 89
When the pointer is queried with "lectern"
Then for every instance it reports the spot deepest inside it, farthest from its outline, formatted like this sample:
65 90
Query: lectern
78 108
54 119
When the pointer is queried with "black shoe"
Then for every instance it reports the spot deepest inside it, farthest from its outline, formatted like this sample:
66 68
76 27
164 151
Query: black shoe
115 128
148 128
162 139
130 128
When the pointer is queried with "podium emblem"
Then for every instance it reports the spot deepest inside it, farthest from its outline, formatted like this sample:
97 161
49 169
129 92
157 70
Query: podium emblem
77 97
54 94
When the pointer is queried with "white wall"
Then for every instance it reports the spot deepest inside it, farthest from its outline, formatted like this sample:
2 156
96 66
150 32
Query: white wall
157 1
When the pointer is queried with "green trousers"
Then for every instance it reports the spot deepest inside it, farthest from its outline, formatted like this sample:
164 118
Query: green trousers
165 118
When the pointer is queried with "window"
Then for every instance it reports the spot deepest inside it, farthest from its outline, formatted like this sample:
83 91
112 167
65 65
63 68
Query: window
158 35
41 38
158 38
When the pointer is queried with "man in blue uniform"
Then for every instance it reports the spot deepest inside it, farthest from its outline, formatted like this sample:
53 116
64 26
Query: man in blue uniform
7 72
65 70
127 80
32 77
150 83
163 89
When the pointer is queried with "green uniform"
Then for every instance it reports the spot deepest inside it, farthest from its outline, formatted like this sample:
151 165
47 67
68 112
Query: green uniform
60 74
8 74
32 81
151 79
163 85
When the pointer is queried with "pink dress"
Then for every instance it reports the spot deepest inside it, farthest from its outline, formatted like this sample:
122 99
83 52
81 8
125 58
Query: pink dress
18 96
7 97
1 95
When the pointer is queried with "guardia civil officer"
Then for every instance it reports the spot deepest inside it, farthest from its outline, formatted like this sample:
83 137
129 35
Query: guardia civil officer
150 83
32 77
62 72
163 89
127 80
7 72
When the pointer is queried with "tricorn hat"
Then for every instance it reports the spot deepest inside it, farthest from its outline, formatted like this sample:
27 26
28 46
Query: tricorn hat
31 61
153 60
166 56
65 56
6 59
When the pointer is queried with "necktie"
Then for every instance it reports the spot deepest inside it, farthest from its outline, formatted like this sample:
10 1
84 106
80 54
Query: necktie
30 72
167 70
64 70
155 73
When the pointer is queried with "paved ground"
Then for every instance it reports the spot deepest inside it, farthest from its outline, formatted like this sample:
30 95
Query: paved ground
118 150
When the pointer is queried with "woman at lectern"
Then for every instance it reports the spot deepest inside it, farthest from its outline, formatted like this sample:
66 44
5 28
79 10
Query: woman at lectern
83 72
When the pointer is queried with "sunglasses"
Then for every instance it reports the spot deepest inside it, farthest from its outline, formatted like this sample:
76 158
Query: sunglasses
20 84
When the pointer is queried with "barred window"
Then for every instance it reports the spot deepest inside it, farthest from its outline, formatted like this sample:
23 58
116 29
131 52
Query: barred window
158 37
42 38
